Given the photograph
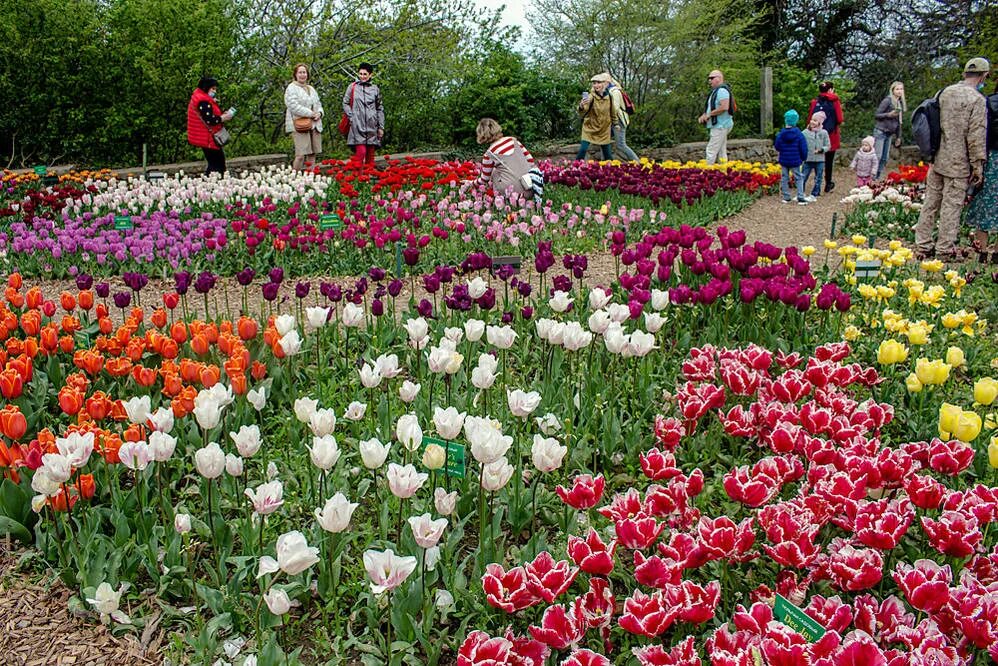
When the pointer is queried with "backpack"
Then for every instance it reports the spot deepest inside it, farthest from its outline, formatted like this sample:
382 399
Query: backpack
827 107
712 101
628 104
926 127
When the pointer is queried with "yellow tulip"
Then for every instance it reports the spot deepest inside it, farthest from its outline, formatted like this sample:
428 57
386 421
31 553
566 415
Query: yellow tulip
932 372
808 250
993 452
891 352
948 417
858 239
933 266
985 390
830 245
851 333
894 245
918 334
912 384
955 357
951 320
968 427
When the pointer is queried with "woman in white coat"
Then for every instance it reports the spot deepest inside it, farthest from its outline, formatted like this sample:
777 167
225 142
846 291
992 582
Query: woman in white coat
303 119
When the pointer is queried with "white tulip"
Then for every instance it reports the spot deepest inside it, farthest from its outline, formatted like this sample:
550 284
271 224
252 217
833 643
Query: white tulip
233 465
290 343
58 466
416 328
426 531
324 452
355 411
482 378
443 360
257 397
408 391
294 555
247 440
137 409
488 444
654 322
444 502
106 601
408 432
448 422
45 485
549 423
182 523
208 414
443 599
353 315
317 317
496 475
76 447
659 299
454 334
477 288
369 376
322 422
641 343
162 419
501 337
334 516
388 366
210 461
304 408
599 321
543 327
432 557
373 453
521 403
615 339
161 445
576 337
277 601
599 298
618 312
284 324
267 498
560 302
474 329
547 454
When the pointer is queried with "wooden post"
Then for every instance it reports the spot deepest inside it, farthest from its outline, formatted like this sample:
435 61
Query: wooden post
766 102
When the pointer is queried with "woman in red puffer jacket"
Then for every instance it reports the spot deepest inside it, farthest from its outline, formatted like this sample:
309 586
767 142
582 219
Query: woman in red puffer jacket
204 120
828 102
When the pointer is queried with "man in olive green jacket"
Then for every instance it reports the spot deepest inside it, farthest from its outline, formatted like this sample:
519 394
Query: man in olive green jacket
959 161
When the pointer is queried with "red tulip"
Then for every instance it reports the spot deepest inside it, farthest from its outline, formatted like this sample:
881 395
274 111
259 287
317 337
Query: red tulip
925 585
854 569
950 458
831 613
720 538
882 524
742 487
586 491
639 532
586 657
924 491
739 422
647 615
682 654
656 571
955 534
547 578
669 431
592 554
561 628
598 604
658 465
791 387
508 590
699 603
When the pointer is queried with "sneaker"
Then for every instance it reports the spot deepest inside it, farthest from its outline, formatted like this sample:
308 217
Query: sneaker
829 187
802 202
785 201
527 182
810 199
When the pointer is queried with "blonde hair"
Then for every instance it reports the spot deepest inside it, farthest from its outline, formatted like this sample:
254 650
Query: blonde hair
890 91
488 130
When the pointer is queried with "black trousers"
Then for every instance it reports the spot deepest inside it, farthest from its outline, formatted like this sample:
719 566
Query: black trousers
829 163
216 160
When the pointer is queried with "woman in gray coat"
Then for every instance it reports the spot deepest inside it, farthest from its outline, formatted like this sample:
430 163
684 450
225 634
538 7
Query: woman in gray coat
887 129
362 105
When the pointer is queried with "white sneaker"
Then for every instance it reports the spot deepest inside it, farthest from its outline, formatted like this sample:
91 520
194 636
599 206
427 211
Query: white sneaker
810 199
802 202
785 201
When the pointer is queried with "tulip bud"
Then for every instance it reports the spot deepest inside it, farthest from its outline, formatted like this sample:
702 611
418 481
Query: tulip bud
182 523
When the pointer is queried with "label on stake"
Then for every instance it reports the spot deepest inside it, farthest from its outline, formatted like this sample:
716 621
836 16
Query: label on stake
796 619
868 269
330 221
41 170
454 465
122 222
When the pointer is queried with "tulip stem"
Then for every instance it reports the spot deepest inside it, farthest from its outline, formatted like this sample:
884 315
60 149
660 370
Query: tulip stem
398 526
533 504
388 651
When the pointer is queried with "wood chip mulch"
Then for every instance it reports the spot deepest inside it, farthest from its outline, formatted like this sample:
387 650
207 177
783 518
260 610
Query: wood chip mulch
37 628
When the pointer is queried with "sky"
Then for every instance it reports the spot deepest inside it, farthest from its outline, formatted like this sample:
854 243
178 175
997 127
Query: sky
513 15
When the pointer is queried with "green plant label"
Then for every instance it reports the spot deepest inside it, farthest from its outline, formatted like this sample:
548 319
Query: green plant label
330 221
122 222
868 269
455 455
797 619
41 170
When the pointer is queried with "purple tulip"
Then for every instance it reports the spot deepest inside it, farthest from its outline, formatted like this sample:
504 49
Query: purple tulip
410 255
122 299
276 275
245 276
526 312
487 301
182 282
424 308
270 290
205 282
524 288
376 274
335 293
507 317
103 289
431 283
302 289
84 281
395 288
377 307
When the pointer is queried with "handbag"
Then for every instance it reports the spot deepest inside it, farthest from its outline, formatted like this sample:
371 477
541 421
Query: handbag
221 137
344 125
303 124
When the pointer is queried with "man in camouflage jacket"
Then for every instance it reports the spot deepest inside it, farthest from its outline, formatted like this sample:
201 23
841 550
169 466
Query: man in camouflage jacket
959 161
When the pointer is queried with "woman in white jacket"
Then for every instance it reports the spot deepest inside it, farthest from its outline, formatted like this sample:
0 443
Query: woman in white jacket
303 119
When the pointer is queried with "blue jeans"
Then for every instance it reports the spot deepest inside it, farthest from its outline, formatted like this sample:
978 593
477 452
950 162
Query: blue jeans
817 168
619 132
882 146
584 148
785 182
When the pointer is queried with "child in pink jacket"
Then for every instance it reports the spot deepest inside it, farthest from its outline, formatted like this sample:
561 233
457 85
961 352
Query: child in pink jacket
865 162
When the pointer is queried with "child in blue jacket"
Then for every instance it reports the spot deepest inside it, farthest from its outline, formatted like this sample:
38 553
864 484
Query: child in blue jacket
791 146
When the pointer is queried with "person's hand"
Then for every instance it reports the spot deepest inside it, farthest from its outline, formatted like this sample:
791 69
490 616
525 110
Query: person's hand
976 177
381 133
702 119
226 117
895 114
317 116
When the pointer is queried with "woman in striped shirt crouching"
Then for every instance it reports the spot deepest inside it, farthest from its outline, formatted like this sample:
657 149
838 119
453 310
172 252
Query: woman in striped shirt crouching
507 164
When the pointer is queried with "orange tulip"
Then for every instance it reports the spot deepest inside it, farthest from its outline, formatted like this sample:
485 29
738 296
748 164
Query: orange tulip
67 301
70 400
137 313
118 412
183 404
67 344
69 324
171 300
199 344
239 383
50 339
14 281
46 441
258 371
144 376
118 367
14 346
34 298
270 336
14 297
24 367
209 376
189 370
101 310
99 406
169 349
133 433
135 349
226 343
86 299
12 423
179 332
58 501
159 318
31 322
11 384
105 325
31 347
85 486
172 384
108 447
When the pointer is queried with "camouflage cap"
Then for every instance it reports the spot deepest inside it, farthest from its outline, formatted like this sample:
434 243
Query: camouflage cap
977 66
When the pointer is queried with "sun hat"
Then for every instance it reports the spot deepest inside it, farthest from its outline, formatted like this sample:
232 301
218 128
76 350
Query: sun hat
602 77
